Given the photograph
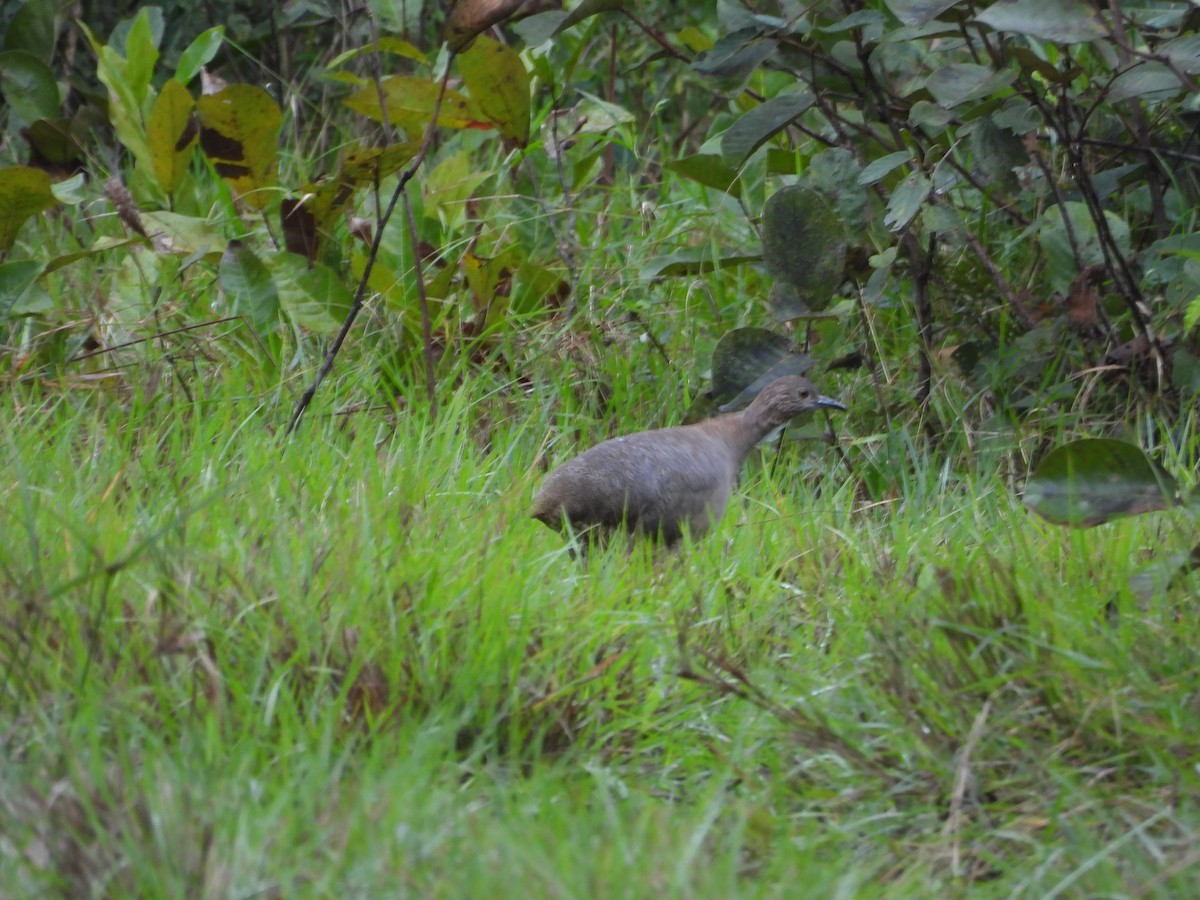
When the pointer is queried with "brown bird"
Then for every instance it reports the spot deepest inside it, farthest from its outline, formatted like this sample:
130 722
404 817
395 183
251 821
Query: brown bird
662 481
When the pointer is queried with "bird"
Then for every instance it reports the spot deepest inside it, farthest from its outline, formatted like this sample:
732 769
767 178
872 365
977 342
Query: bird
662 482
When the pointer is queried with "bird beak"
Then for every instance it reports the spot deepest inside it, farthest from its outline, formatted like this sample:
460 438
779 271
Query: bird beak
830 403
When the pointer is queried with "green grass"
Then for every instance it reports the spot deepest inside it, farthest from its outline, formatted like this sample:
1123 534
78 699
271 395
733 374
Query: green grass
350 665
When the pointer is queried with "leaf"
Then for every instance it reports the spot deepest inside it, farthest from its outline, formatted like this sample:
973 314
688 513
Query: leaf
877 169
499 84
448 187
746 359
710 170
1146 81
1192 315
736 55
762 123
33 27
1161 575
182 235
198 54
589 8
239 132
695 261
170 134
1092 481
804 243
1056 243
957 83
312 297
786 304
1061 21
541 27
141 51
918 12
906 200
24 192
16 278
249 287
102 244
29 87
410 101
393 45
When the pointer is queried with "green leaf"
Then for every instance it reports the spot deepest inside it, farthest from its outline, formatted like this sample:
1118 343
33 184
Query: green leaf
1192 315
736 55
1056 243
249 288
1092 481
695 261
589 8
393 45
906 200
918 12
957 83
16 278
747 359
1061 21
102 244
198 54
24 192
29 87
877 169
70 191
141 53
762 123
710 170
499 84
124 109
1148 80
181 235
538 29
33 28
312 297
804 243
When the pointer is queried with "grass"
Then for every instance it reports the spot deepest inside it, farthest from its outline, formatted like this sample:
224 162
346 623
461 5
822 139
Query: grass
351 665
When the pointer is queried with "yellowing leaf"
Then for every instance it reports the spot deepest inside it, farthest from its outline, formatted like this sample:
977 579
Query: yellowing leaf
239 133
499 84
171 133
410 102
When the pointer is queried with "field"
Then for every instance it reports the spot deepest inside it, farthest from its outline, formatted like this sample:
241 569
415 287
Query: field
348 664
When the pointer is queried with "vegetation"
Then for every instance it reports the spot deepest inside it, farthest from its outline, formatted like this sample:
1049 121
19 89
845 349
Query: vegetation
268 633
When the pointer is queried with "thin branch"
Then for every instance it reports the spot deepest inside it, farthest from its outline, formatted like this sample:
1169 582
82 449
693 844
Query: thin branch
357 305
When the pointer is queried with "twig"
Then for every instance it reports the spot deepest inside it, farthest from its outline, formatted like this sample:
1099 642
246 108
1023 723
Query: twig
357 305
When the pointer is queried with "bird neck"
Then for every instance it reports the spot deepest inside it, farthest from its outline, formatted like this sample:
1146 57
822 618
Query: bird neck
743 429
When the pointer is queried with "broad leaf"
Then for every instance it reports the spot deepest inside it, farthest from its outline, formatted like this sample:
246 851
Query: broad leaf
747 359
410 101
762 123
240 133
499 85
249 287
24 192
695 261
710 170
29 87
170 133
804 243
199 53
1092 481
1062 21
906 200
918 12
16 278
